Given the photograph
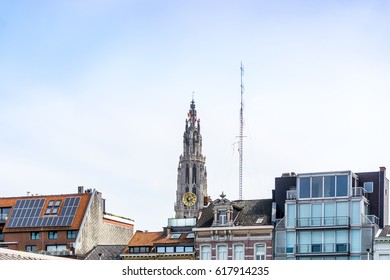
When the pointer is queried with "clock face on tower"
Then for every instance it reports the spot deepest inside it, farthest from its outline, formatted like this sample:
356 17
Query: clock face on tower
189 199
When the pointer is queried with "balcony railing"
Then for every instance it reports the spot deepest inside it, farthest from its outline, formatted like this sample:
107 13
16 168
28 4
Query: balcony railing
358 191
321 248
339 221
291 195
370 220
57 253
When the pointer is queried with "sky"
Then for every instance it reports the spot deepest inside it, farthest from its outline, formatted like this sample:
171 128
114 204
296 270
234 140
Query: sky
96 93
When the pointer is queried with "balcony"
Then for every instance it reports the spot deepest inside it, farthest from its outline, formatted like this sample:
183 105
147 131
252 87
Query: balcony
321 249
323 222
370 220
57 253
291 195
358 191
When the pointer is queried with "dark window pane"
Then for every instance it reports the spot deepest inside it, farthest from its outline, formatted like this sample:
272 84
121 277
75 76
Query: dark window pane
304 187
342 185
316 186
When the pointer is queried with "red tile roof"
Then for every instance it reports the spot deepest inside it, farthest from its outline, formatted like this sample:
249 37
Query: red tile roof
149 239
78 217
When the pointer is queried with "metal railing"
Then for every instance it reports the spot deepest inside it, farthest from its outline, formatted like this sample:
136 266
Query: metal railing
323 248
370 219
339 221
358 191
57 253
291 195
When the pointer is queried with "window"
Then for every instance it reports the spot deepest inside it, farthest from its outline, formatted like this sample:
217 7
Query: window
316 187
187 174
180 249
290 242
175 235
222 252
356 241
329 241
169 249
190 235
205 252
304 214
342 241
222 217
356 213
160 249
143 249
290 215
342 217
52 235
188 249
71 234
260 252
31 248
329 213
368 187
53 207
316 242
194 174
4 212
329 186
34 235
239 252
342 185
55 248
304 187
323 186
1 236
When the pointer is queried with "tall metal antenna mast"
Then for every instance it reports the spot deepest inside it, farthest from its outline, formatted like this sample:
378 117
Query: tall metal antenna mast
240 142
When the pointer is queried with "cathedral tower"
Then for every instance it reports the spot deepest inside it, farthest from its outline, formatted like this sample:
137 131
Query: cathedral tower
192 176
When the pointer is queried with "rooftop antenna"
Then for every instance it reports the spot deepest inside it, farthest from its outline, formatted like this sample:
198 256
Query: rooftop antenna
240 142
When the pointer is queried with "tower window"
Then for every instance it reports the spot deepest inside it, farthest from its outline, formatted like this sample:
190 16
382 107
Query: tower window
187 174
194 174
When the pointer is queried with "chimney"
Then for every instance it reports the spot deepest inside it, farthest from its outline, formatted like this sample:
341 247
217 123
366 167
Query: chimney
80 189
382 169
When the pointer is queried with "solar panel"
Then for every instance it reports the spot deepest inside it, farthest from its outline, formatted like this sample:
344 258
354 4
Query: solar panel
26 213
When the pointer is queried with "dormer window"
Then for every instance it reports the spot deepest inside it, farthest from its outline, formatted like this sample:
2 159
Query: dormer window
223 212
222 217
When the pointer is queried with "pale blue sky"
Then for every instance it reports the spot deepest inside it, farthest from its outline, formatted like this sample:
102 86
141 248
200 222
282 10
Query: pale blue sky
95 93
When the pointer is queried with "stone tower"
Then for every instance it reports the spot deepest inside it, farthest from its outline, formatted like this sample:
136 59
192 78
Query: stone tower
191 191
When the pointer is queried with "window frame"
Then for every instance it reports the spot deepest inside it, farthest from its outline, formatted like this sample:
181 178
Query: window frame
35 235
70 234
204 253
371 188
52 235
223 252
255 251
235 257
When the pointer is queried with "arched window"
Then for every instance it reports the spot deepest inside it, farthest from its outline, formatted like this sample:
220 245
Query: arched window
194 174
187 174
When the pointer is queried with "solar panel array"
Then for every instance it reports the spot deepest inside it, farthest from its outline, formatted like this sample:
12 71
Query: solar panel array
26 213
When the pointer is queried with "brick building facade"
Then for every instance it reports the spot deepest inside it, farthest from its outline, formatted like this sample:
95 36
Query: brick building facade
66 224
